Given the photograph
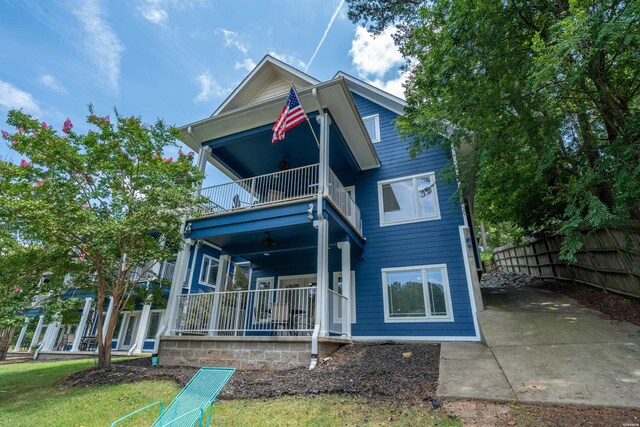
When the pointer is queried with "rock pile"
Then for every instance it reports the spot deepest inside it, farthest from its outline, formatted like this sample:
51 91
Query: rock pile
501 279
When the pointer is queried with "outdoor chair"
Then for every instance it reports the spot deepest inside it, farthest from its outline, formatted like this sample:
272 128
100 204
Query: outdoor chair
190 405
280 316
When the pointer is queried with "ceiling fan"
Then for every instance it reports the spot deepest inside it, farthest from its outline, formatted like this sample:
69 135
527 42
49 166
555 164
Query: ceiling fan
268 242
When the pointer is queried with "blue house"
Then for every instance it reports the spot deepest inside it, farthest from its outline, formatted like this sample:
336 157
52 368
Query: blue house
331 235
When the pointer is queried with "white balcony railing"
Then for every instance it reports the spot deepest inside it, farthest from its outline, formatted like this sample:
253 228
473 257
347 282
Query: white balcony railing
261 190
338 304
278 187
288 311
344 202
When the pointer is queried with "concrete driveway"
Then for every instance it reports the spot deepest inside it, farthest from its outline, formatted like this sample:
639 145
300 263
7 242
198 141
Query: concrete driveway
543 347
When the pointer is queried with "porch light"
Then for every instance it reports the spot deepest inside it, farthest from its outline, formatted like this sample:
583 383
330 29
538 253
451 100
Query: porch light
266 254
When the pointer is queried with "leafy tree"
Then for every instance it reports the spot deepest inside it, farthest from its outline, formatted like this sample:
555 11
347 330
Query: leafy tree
546 92
26 271
107 195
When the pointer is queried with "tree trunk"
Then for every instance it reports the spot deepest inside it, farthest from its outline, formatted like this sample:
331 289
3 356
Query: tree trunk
6 334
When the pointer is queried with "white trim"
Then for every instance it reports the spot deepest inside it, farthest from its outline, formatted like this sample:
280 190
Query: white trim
428 318
373 94
376 126
425 339
472 299
407 178
205 242
267 59
192 269
352 297
351 190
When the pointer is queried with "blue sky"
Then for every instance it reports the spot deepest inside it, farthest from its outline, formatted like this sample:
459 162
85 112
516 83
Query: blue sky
177 60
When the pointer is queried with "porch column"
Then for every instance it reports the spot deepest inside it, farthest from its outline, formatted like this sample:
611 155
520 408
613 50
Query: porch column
203 153
345 247
82 324
37 332
322 311
52 334
177 283
221 275
21 336
107 318
143 325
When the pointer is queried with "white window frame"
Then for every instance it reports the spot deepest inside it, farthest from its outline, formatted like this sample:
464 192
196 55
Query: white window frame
352 298
427 304
271 281
376 126
200 281
151 313
437 216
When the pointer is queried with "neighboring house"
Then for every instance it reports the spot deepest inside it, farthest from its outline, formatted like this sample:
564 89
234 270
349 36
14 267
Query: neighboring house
316 242
136 330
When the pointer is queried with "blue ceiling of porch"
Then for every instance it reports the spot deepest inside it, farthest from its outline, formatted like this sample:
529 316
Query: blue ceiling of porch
250 153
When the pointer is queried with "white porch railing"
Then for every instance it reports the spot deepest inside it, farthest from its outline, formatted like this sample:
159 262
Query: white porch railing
337 306
167 270
344 202
278 187
288 311
261 190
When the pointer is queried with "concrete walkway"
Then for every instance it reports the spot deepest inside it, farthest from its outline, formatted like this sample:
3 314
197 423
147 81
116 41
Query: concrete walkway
542 347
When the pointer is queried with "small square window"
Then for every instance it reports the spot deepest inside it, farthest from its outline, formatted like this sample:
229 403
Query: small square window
414 294
372 123
409 199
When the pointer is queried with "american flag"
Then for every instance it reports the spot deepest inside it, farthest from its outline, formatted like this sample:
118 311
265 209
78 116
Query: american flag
292 115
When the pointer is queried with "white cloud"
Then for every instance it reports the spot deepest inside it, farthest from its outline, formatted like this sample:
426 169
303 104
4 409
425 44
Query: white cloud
231 38
246 64
52 83
12 97
157 11
209 88
393 86
100 42
374 55
153 11
288 59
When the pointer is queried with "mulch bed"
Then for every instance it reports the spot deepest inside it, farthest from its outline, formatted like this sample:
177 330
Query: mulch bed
399 372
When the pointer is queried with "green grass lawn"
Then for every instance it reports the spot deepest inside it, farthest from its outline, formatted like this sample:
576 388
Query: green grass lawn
28 397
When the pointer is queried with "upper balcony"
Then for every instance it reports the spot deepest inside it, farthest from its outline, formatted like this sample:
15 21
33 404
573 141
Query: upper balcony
286 186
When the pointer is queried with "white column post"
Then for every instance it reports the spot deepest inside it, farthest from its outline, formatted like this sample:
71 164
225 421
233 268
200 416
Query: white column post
220 278
143 325
180 272
107 318
86 310
52 334
322 301
345 247
203 153
21 336
37 332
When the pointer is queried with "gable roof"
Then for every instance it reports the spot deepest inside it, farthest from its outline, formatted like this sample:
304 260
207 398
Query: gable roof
270 78
372 93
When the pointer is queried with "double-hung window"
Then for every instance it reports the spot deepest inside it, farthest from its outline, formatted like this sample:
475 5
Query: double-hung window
209 271
409 199
416 294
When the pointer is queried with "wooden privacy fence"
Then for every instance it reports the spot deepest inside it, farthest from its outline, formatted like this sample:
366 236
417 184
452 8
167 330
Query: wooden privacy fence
609 259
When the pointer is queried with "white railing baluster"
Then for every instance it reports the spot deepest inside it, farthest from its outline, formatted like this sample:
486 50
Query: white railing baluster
281 311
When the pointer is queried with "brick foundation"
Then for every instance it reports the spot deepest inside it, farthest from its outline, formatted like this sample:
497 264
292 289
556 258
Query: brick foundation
272 353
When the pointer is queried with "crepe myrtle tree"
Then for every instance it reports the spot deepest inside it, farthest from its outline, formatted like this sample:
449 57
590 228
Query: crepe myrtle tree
108 195
31 277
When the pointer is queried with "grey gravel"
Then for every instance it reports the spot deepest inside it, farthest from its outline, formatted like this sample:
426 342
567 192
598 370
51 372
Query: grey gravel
501 279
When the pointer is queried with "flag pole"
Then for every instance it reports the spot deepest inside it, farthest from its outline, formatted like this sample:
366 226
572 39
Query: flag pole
307 117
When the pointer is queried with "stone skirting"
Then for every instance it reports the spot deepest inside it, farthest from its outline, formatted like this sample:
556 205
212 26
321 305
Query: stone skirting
273 353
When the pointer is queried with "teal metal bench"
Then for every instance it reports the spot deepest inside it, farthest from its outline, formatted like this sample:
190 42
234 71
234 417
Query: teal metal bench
190 405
